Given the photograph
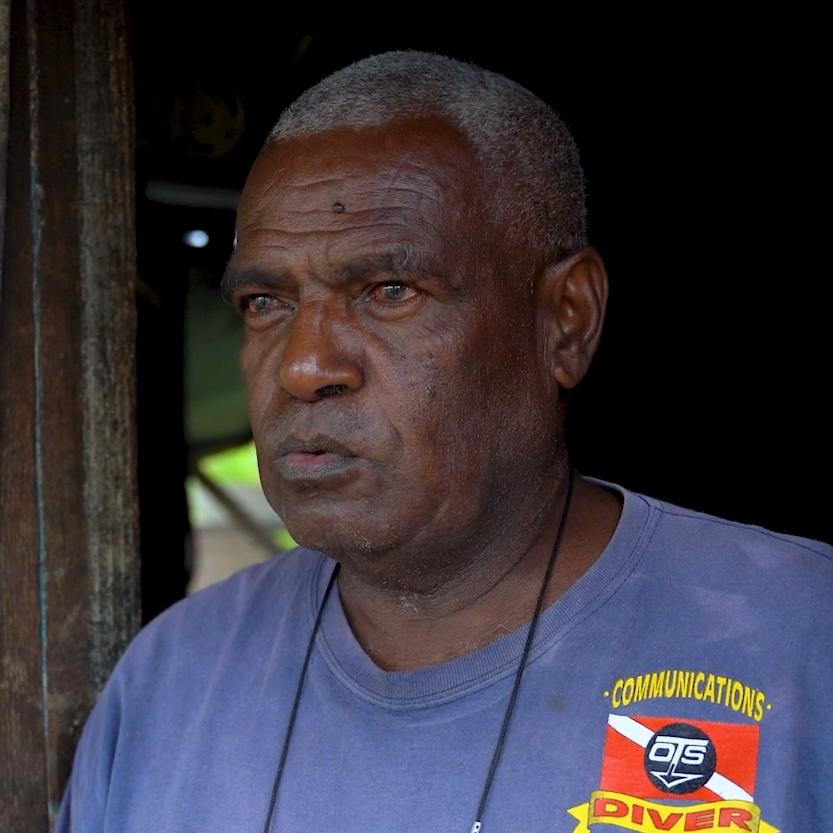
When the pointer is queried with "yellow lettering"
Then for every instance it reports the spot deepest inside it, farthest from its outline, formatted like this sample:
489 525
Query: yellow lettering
641 687
630 813
748 700
759 706
656 684
697 684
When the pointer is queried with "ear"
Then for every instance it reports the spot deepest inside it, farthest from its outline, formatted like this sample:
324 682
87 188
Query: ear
571 295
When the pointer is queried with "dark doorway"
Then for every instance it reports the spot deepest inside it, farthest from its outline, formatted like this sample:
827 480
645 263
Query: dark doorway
702 155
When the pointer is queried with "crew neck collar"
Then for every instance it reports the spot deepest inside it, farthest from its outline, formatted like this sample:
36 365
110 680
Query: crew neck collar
443 683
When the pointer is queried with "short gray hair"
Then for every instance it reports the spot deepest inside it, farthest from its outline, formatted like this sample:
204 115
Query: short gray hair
528 157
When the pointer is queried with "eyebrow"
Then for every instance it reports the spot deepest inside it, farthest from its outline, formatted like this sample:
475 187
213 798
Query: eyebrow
235 277
397 261
400 260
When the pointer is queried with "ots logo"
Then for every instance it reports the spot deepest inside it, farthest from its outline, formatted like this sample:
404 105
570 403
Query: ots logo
675 776
679 759
665 758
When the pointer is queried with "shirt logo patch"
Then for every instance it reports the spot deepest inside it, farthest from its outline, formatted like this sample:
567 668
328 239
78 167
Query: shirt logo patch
646 758
653 757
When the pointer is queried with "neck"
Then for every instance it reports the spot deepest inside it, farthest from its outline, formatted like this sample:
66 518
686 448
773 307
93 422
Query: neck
414 624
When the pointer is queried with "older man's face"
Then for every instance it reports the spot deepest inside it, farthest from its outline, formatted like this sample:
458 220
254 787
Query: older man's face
398 397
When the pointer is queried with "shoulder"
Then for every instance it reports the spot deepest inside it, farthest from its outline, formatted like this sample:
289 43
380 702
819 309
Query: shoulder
230 619
709 537
664 524
191 672
678 554
252 602
734 572
275 581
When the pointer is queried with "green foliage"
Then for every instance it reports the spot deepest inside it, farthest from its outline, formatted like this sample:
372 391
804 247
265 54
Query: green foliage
283 540
236 466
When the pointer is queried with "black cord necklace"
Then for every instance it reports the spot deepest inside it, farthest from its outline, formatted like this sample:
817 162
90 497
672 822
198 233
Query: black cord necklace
510 708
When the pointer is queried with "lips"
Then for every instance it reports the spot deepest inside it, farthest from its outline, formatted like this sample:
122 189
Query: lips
319 445
312 459
304 461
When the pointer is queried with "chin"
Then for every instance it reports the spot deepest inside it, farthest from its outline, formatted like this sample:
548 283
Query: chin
336 536
364 524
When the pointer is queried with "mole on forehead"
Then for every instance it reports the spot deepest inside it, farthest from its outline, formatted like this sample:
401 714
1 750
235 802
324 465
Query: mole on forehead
289 206
339 207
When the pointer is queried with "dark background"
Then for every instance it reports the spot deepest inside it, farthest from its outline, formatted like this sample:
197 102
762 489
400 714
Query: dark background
702 147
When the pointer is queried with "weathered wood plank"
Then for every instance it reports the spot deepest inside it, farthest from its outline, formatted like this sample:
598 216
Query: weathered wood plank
22 773
4 122
68 510
108 286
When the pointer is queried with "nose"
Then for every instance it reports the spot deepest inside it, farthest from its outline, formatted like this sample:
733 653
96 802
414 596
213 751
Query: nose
315 361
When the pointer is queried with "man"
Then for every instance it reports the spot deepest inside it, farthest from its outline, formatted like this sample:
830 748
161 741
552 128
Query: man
488 639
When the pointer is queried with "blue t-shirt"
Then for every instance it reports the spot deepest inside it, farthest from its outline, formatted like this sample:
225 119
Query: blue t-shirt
683 683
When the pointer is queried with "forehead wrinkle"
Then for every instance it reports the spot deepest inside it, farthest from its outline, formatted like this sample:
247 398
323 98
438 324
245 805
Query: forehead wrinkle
405 179
400 218
403 185
421 184
418 196
378 233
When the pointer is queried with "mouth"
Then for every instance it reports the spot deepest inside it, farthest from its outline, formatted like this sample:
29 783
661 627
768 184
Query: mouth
316 460
312 459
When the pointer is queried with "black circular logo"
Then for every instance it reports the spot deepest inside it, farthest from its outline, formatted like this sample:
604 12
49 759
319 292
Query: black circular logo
680 758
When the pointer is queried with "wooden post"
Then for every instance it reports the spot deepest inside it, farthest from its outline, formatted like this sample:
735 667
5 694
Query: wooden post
68 510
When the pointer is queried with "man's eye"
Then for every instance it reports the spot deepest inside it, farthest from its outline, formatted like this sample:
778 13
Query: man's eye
256 304
393 291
